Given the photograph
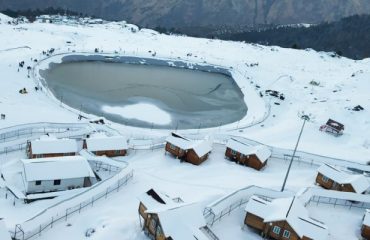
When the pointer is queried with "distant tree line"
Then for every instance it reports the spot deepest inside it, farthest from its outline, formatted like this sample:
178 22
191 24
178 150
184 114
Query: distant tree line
31 14
349 37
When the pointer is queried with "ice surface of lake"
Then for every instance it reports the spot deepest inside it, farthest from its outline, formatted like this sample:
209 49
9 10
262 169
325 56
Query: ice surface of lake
147 95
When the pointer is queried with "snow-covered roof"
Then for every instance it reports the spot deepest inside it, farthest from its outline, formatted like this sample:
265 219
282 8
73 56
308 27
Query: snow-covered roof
154 198
202 148
182 222
101 142
262 152
4 233
367 218
358 182
56 168
290 210
50 145
179 141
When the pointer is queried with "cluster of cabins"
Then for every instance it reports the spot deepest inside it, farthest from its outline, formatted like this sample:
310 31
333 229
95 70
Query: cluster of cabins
287 218
196 152
55 164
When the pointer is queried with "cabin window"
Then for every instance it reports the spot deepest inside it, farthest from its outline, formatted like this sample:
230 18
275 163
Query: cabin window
117 151
233 152
173 147
325 179
276 230
38 183
57 182
39 156
286 234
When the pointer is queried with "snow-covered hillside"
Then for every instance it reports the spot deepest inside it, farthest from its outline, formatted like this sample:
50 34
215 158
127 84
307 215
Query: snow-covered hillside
314 83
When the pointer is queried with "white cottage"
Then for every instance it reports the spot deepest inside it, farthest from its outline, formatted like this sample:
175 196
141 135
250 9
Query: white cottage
4 233
100 144
57 174
50 146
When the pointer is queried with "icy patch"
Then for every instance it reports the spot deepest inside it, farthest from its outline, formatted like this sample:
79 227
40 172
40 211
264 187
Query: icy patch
141 111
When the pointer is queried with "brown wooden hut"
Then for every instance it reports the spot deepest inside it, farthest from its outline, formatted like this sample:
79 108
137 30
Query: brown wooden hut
332 178
284 218
195 152
50 146
102 145
252 156
163 218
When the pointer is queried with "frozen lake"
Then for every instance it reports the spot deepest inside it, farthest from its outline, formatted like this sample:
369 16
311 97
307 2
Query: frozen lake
147 95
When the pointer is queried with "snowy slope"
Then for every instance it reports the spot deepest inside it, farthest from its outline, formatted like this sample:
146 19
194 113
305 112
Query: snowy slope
344 83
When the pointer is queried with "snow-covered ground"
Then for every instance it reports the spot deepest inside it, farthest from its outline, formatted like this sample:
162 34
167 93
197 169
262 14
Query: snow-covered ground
343 84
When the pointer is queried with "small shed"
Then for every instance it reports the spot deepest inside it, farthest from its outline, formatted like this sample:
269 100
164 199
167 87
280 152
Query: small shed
284 218
252 156
195 152
167 219
56 174
333 127
100 144
4 233
50 146
365 229
333 178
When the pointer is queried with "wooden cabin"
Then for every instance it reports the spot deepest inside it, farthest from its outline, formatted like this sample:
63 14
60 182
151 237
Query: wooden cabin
102 145
332 178
50 146
252 156
365 229
4 233
163 218
56 174
195 152
284 218
333 127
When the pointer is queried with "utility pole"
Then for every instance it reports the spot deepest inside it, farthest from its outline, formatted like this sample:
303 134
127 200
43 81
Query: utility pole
305 118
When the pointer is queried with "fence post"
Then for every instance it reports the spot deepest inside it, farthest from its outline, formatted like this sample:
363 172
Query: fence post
66 213
52 221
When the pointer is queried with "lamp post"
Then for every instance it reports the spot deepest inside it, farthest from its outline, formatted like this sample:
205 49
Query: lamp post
304 118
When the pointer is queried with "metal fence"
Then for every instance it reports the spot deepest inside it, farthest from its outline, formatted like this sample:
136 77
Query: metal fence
337 202
20 233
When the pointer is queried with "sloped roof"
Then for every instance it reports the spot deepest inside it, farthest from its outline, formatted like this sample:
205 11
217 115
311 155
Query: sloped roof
367 218
101 142
4 233
182 221
56 168
201 147
262 152
179 141
358 182
50 145
290 210
154 198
